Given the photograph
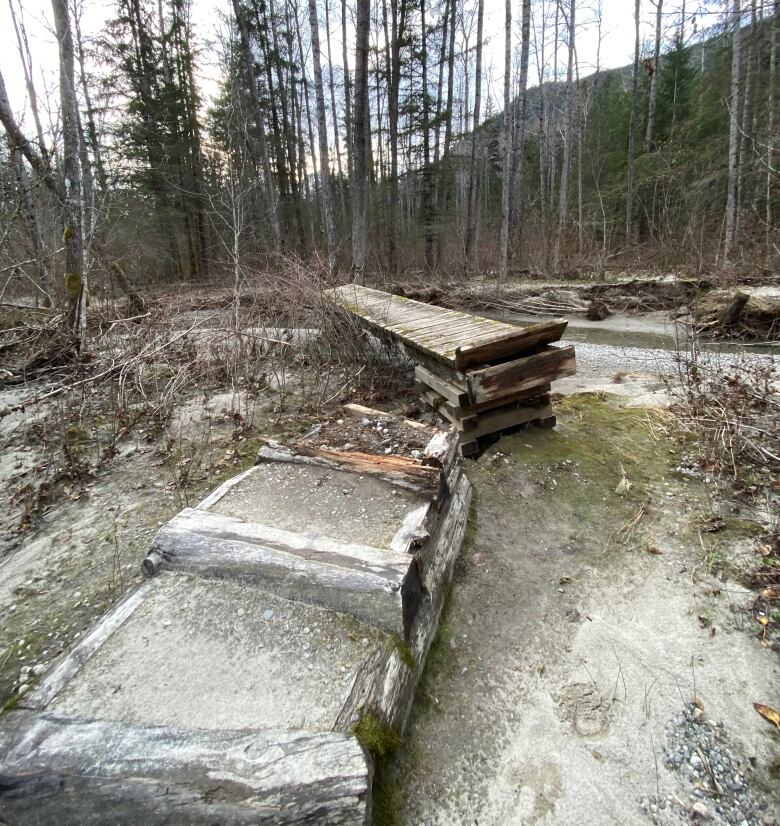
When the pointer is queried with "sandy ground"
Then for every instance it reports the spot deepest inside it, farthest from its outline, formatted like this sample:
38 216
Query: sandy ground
567 651
573 642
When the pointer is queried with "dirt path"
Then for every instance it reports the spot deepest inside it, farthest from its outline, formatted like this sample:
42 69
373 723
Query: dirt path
580 625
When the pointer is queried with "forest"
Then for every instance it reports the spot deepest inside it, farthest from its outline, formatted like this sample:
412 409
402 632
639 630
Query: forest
369 139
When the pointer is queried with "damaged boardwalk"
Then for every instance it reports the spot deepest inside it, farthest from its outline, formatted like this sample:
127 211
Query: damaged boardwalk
484 376
283 627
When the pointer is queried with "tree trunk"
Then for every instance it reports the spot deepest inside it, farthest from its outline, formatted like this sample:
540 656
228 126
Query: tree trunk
347 91
472 218
398 11
506 172
518 169
362 132
269 192
771 118
747 136
631 174
27 207
333 110
653 103
75 282
327 195
563 200
427 193
733 175
444 181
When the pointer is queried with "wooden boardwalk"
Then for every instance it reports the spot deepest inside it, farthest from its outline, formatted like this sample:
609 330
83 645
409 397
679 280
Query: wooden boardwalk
455 338
482 375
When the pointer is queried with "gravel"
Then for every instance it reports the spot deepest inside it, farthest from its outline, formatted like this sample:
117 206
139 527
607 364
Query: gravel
714 777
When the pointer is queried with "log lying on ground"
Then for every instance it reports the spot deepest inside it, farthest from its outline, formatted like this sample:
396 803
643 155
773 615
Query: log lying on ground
386 683
379 586
88 773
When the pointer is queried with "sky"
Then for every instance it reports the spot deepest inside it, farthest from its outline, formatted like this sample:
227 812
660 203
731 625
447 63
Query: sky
616 48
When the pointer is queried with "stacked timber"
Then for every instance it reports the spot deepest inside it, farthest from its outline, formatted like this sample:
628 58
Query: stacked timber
484 376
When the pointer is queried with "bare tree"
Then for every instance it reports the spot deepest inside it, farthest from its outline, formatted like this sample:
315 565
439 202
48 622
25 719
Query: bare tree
75 280
269 191
521 107
771 117
654 76
506 173
733 175
322 128
333 109
361 136
568 136
631 174
446 160
472 220
30 216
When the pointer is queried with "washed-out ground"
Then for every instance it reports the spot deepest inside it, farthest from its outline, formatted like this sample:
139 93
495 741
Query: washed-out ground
594 643
591 609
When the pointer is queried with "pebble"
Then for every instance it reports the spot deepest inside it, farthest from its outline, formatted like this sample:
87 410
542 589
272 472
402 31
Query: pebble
700 810
365 423
268 615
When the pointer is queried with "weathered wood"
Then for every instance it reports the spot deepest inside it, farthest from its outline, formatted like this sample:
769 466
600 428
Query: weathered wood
501 419
450 337
385 686
415 529
93 773
446 409
369 583
444 388
493 382
358 411
403 471
527 396
69 663
224 488
546 332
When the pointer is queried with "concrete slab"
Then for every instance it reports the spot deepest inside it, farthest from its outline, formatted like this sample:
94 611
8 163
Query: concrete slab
216 654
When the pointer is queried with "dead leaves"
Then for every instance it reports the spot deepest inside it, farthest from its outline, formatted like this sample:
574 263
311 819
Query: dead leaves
768 713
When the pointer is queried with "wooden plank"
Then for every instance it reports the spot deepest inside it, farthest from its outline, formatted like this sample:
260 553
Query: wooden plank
440 386
403 471
514 399
70 662
386 311
372 584
361 412
491 383
414 530
74 772
507 344
445 409
501 419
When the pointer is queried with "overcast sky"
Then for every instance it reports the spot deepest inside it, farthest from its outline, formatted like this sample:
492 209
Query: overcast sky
616 39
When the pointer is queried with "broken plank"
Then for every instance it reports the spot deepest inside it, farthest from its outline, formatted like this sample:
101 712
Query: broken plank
94 772
403 471
370 583
492 383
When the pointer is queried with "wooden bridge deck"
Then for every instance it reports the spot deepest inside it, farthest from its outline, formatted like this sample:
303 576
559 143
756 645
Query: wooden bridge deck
454 338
